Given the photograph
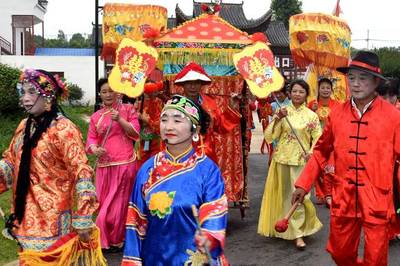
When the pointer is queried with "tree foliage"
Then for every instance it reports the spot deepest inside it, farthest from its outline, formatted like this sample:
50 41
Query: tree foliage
75 93
77 40
8 94
284 9
389 58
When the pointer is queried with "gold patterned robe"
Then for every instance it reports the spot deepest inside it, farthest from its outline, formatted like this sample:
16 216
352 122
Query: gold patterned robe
60 177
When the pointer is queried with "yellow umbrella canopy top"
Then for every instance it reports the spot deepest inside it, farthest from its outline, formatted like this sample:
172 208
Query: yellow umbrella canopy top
319 39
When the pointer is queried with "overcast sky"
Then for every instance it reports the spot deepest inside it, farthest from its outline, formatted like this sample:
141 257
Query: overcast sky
379 17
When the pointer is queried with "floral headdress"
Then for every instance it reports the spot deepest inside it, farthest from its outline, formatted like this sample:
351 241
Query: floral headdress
45 83
186 106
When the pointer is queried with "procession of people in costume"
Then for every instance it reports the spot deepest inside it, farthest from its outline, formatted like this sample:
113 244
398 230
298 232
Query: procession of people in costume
173 209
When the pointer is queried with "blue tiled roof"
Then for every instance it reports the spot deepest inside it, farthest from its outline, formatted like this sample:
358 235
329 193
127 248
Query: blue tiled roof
64 51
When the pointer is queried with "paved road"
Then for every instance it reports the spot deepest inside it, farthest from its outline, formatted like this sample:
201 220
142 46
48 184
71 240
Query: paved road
245 247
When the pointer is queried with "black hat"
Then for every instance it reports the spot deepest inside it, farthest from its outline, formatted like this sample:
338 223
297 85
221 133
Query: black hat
365 61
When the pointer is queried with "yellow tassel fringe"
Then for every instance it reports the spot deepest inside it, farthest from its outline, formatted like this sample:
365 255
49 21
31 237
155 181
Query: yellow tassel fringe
71 253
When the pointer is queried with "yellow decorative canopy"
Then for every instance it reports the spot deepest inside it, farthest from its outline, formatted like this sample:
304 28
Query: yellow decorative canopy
129 21
133 63
321 39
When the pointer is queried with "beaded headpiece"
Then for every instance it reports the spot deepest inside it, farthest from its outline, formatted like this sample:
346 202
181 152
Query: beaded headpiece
45 83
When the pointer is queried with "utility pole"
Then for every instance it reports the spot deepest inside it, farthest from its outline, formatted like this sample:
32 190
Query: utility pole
96 53
367 39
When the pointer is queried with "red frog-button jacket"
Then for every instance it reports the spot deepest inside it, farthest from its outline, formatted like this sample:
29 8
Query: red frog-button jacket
364 151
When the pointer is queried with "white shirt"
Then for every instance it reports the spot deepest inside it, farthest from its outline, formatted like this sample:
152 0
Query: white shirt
360 112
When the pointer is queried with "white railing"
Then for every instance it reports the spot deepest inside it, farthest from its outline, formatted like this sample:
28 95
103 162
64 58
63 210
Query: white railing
5 46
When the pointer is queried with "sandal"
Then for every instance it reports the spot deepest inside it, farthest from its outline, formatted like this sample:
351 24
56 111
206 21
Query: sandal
300 244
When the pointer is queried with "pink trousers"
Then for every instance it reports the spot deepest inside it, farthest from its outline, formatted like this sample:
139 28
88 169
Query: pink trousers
113 188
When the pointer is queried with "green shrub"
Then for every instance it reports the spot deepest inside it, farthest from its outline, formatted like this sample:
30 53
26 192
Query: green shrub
8 94
75 93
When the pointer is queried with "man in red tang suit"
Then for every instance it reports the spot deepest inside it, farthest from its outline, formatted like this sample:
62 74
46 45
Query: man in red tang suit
192 77
364 135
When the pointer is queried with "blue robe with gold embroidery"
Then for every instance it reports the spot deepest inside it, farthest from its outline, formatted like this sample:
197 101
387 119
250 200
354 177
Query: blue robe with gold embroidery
160 225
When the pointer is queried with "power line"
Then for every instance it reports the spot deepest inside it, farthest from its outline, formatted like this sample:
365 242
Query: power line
377 40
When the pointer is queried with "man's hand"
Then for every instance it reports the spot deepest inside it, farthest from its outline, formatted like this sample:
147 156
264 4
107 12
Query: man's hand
306 156
298 195
234 101
145 118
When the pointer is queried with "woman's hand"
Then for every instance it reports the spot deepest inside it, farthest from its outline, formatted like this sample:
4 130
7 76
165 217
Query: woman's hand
115 115
84 234
98 151
202 242
314 107
282 113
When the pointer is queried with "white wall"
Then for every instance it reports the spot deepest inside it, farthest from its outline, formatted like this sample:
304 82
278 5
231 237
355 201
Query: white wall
77 69
17 7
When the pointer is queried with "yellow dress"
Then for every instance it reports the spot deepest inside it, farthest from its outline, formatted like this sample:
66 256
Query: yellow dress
286 165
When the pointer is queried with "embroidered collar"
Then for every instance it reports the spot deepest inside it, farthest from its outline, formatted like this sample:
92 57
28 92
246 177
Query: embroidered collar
165 169
181 157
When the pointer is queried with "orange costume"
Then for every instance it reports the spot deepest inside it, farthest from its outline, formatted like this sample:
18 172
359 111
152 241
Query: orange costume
364 149
323 185
59 170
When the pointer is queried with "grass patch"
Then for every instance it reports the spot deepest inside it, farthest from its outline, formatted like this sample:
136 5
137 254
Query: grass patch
9 122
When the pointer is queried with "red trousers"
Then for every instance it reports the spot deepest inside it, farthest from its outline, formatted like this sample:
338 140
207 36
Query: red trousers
344 238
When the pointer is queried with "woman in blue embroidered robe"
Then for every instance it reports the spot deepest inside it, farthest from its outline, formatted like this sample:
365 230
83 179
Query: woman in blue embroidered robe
161 227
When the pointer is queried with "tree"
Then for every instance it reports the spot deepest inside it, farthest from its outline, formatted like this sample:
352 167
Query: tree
284 9
39 41
77 41
61 36
75 93
9 98
389 58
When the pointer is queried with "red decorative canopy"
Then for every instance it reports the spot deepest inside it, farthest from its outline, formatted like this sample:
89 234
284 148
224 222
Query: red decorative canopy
206 29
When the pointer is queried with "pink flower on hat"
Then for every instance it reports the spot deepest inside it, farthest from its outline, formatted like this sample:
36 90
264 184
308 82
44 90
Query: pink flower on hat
191 110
